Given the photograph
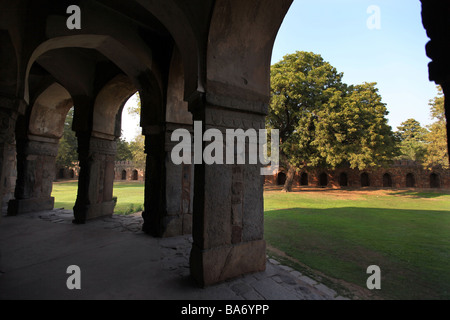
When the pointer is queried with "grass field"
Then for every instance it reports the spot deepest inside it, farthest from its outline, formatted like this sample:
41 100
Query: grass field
130 196
339 233
334 235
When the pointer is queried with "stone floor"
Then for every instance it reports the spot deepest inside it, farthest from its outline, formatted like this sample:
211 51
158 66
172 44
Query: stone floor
118 261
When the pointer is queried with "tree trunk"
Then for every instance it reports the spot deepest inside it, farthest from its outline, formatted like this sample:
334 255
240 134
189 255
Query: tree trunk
289 179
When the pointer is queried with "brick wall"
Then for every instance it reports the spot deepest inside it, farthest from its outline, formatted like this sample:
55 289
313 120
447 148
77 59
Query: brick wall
123 171
128 171
402 174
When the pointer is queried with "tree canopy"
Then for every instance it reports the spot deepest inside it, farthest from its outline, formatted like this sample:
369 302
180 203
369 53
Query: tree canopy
412 138
437 147
123 150
323 121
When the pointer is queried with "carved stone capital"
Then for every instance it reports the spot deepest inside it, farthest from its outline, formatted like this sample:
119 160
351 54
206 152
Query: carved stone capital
232 119
41 148
102 146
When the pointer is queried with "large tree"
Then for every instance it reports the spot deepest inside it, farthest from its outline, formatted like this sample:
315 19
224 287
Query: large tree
437 148
324 122
412 140
137 148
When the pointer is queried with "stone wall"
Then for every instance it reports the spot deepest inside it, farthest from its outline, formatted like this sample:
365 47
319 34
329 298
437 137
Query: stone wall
123 171
68 173
128 171
9 181
402 174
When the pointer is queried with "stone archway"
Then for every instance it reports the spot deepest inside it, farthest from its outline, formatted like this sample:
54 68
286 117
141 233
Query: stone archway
211 36
323 179
365 180
304 179
135 175
139 40
281 178
435 180
387 180
37 149
410 180
343 179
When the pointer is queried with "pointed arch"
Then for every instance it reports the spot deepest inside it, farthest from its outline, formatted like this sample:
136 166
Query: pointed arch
304 179
435 181
365 180
49 111
410 180
109 105
185 31
387 180
343 179
141 74
323 179
242 35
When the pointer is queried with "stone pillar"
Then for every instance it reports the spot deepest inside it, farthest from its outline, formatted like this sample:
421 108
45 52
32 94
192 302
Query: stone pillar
179 183
8 118
168 187
96 179
36 158
228 217
154 202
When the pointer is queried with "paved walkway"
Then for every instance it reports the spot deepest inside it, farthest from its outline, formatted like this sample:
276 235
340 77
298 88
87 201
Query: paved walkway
118 261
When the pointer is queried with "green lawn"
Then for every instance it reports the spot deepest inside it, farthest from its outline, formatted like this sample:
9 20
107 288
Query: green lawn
334 235
130 196
341 233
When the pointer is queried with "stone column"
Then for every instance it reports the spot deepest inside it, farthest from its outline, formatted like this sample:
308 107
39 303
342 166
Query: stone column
36 158
8 118
179 182
155 213
96 179
228 204
168 187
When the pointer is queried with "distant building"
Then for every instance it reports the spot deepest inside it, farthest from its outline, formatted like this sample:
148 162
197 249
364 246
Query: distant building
123 171
128 171
71 173
401 174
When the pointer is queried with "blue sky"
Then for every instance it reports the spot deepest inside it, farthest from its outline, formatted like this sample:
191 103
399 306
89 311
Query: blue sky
393 56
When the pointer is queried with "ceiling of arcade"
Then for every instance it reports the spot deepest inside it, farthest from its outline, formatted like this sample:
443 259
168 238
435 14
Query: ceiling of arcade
117 38
139 39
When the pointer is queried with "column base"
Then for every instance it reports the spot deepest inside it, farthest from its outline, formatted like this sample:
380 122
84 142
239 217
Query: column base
178 225
171 226
93 211
216 265
19 206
